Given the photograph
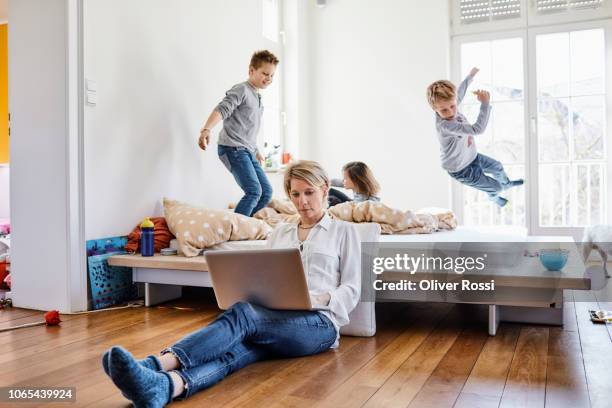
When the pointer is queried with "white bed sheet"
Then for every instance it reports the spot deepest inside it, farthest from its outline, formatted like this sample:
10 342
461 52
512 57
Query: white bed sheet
249 244
464 234
461 234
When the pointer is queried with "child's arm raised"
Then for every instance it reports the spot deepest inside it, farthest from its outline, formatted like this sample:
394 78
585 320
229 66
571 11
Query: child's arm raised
464 85
456 128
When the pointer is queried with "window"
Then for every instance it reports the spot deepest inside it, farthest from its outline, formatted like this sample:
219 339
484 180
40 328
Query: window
478 11
272 129
559 6
551 107
270 17
501 65
487 16
571 127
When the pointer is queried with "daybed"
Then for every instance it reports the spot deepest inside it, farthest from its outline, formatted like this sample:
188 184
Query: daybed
531 294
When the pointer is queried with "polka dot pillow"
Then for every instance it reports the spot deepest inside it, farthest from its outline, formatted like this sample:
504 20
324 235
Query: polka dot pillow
198 228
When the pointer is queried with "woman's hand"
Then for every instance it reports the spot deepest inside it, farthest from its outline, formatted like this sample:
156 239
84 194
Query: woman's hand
321 300
474 71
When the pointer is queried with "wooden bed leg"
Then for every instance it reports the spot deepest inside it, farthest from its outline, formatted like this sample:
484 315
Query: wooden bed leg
156 293
493 319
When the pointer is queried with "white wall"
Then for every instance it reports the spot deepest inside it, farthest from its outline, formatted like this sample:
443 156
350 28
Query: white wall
160 68
371 63
45 264
3 10
5 211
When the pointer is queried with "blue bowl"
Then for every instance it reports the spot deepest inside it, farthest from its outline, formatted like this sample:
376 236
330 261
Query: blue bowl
553 259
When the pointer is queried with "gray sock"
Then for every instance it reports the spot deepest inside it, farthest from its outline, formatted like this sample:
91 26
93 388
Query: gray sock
145 387
151 362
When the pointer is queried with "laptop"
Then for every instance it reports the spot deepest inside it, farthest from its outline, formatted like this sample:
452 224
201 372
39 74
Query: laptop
273 278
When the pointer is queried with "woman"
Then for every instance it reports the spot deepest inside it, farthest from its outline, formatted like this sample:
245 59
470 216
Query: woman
246 332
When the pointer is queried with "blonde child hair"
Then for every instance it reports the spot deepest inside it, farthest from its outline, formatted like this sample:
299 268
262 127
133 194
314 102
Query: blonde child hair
442 90
363 178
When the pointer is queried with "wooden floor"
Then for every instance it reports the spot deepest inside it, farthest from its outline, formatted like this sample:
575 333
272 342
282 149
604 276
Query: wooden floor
424 355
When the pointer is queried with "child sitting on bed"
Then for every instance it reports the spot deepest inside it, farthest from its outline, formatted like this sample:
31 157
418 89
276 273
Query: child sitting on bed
358 177
457 146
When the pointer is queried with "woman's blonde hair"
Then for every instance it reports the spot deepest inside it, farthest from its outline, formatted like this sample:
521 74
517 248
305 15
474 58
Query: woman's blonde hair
441 91
308 171
363 178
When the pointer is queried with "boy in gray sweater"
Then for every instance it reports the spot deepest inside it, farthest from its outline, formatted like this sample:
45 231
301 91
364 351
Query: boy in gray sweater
241 112
457 146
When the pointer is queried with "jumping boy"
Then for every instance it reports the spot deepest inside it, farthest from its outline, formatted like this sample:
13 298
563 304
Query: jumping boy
241 112
456 135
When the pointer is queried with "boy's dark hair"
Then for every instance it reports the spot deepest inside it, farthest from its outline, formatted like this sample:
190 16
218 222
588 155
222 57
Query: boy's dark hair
261 57
363 178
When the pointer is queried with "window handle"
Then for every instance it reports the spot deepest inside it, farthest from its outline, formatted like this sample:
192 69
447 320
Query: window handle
533 123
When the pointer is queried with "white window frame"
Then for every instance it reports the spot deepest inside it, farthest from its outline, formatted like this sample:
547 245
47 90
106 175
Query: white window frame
573 16
528 18
457 28
534 222
531 143
458 76
278 49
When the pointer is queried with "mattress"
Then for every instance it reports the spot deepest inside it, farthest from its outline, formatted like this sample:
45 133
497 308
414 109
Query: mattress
461 234
249 244
464 234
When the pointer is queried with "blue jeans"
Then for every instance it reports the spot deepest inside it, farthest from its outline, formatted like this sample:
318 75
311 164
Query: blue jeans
250 177
475 175
244 334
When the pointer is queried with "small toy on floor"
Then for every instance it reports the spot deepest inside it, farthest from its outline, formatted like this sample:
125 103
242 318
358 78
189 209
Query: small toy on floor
52 318
4 303
600 316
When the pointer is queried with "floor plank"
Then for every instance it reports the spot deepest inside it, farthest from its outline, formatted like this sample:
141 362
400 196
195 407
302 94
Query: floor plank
526 383
423 355
596 351
566 384
444 385
488 377
397 381
359 388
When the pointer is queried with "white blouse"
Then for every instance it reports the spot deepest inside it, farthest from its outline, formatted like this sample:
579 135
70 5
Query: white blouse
331 255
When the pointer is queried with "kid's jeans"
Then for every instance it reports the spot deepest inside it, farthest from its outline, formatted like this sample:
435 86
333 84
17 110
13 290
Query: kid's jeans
250 177
475 175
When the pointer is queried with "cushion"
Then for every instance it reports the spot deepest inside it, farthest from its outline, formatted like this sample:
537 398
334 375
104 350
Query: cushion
198 228
362 320
161 236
